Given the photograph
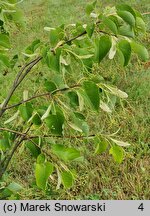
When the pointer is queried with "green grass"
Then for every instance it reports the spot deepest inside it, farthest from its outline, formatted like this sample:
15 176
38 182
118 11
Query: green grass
100 177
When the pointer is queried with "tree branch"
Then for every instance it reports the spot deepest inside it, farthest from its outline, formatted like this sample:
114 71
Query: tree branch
26 137
23 68
42 95
17 144
19 78
106 33
76 37
62 137
12 131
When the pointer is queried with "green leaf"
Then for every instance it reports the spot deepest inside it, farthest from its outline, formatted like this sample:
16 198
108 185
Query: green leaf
125 7
140 50
4 41
85 56
71 154
1 23
53 60
48 169
6 193
55 123
78 123
34 149
79 29
111 25
88 62
26 111
50 86
12 137
90 29
5 60
53 37
125 48
90 7
56 35
14 197
101 145
67 179
73 97
58 150
32 48
13 61
46 113
10 2
42 173
140 24
66 154
18 18
126 30
4 144
12 118
14 187
105 107
120 143
41 159
58 79
117 92
36 119
79 115
84 51
115 20
75 127
25 95
92 92
120 56
138 14
80 93
103 46
117 153
127 17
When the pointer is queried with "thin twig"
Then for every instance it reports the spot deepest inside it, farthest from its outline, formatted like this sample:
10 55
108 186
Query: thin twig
12 131
68 41
42 95
104 32
26 137
25 101
62 137
76 37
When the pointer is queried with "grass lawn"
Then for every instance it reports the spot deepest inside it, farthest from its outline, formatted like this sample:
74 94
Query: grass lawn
99 177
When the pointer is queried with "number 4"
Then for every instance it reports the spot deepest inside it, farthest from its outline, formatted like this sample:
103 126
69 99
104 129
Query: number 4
141 207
